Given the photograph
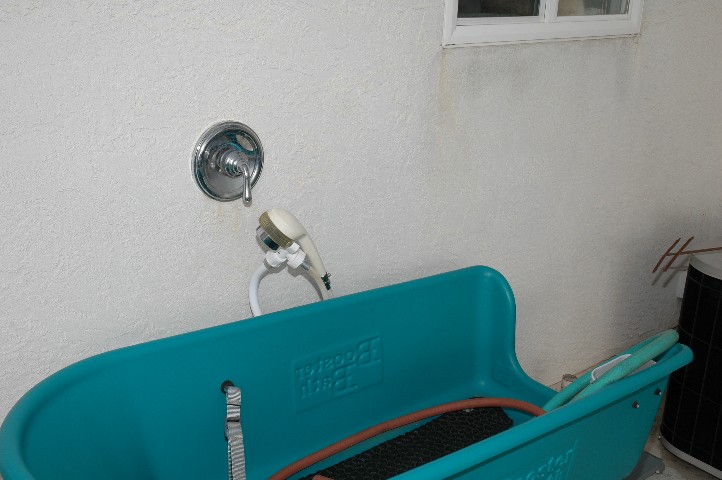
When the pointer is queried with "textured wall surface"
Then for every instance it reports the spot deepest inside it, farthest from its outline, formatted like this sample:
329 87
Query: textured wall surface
567 166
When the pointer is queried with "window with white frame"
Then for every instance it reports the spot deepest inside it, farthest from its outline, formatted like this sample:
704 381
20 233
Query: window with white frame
489 22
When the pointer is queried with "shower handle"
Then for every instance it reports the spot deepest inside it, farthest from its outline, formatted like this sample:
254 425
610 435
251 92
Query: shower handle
227 161
233 164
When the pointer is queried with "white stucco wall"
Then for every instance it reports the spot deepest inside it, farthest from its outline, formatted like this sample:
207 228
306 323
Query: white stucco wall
567 166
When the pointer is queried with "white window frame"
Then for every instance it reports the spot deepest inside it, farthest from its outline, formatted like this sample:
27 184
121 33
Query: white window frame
460 32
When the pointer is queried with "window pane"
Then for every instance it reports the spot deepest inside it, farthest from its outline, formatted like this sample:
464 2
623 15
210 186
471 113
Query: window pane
593 7
498 8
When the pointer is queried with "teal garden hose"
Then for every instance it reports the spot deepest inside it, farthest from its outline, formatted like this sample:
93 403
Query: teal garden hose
639 354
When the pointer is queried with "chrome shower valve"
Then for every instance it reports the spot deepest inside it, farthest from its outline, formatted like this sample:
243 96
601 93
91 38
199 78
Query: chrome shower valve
227 161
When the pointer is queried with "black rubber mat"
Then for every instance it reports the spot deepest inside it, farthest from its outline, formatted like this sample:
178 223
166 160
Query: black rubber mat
441 436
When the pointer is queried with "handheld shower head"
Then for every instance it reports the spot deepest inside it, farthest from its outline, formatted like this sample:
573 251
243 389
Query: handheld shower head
279 228
290 243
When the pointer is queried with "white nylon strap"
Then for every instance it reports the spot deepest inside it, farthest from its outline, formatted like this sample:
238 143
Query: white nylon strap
234 435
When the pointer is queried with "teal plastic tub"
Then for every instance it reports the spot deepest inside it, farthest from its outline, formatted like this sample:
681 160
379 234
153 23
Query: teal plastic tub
313 375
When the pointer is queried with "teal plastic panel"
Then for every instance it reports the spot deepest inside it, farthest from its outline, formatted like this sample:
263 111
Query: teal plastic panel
313 375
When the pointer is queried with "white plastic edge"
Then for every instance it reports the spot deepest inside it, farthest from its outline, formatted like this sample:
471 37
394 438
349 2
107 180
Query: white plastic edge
598 372
690 459
709 264
497 32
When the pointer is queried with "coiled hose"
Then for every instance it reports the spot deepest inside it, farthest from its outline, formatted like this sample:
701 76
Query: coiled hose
400 422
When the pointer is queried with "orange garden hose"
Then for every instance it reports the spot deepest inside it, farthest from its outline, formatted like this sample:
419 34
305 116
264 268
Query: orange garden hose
400 422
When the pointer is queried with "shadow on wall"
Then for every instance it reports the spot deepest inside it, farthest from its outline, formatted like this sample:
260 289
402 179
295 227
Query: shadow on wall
647 302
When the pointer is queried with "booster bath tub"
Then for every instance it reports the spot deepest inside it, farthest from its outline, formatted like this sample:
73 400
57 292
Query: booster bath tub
313 375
